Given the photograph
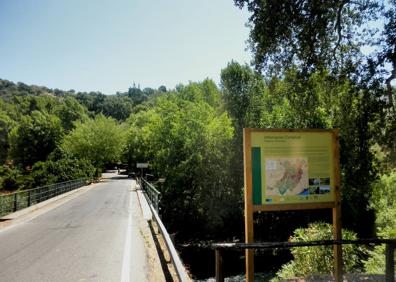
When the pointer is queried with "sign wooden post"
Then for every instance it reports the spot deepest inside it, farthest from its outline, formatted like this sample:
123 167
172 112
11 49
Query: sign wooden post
289 169
337 211
249 235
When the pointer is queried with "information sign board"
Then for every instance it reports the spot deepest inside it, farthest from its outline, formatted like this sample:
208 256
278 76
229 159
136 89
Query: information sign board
142 165
292 167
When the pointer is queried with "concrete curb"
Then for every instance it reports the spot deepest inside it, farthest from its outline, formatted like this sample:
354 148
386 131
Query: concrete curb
153 257
147 215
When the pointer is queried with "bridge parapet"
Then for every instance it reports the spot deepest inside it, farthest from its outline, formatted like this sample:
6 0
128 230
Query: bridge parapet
152 196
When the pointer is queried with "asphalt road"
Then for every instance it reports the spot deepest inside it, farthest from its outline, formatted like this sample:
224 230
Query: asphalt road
93 237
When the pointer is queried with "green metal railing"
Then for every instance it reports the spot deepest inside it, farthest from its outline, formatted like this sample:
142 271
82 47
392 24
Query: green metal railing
152 193
13 202
153 198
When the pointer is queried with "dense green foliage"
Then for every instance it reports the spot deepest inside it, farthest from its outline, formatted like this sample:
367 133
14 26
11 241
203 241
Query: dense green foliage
383 201
318 77
65 169
318 260
98 140
34 138
186 138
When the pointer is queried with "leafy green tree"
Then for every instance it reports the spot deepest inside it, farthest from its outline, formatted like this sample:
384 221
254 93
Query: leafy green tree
118 107
98 140
70 111
5 127
321 101
243 96
137 95
205 91
162 88
186 141
318 100
35 137
315 35
388 52
243 92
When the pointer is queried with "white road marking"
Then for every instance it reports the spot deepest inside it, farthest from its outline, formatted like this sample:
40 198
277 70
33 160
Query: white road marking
126 261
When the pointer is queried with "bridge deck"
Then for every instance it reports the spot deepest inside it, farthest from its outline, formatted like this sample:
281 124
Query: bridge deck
98 236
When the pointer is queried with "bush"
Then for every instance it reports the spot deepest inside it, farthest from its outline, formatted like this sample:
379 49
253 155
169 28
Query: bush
49 172
318 260
383 201
10 178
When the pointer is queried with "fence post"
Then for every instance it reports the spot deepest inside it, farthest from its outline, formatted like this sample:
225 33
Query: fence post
390 262
219 266
15 202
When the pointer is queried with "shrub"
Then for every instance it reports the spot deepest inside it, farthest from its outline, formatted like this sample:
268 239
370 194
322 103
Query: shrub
318 260
10 178
49 172
383 201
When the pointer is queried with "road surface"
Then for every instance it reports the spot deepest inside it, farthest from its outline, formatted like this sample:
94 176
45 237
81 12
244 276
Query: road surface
96 236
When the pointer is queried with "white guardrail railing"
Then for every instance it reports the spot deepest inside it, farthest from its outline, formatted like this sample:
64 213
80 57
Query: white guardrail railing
174 255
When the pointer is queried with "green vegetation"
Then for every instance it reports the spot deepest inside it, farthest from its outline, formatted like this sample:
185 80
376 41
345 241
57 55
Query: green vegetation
310 73
98 140
34 138
383 201
186 137
318 260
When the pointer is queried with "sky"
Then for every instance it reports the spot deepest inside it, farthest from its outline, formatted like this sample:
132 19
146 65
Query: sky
107 45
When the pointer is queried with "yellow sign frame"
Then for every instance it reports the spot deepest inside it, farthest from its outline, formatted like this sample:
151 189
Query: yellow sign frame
334 203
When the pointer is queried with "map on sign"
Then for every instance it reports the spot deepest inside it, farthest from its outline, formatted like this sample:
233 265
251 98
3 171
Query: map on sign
286 176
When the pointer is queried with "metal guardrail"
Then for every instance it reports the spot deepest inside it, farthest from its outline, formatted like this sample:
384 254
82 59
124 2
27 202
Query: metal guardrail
13 202
389 251
152 195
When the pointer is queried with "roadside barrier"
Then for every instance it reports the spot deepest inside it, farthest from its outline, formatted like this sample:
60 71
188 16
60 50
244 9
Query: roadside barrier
13 202
153 198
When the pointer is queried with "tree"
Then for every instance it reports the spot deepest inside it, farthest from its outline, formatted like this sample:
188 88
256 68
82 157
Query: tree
243 96
35 137
117 107
162 88
314 35
70 111
388 52
5 127
243 92
306 46
187 141
98 140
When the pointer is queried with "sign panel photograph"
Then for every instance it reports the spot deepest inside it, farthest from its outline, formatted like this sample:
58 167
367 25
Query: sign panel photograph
292 167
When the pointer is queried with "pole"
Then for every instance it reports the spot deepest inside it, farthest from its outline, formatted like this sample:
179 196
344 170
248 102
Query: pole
337 249
337 231
219 266
249 235
390 263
